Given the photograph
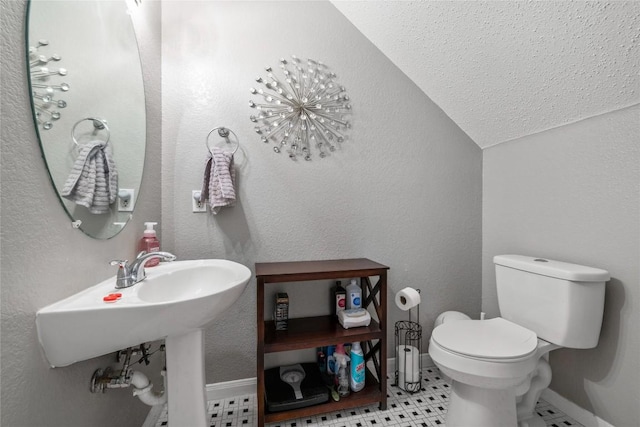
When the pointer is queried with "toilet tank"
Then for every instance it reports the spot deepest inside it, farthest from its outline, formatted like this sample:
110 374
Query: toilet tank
561 302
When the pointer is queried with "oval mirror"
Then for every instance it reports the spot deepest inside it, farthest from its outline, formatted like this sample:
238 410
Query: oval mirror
87 96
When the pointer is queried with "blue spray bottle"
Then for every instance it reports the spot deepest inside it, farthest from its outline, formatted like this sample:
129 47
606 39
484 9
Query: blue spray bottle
357 367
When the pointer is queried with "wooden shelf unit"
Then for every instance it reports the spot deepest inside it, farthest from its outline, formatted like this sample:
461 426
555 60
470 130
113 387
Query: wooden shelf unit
311 332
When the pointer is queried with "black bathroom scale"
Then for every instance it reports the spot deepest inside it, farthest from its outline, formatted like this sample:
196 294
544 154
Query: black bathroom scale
293 387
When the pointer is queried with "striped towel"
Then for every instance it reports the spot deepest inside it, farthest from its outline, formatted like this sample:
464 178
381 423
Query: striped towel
93 181
219 181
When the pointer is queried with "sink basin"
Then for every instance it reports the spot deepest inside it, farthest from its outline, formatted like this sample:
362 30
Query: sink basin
176 298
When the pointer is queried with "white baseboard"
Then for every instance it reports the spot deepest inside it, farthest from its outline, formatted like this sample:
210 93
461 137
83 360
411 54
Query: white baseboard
153 415
214 391
584 417
228 389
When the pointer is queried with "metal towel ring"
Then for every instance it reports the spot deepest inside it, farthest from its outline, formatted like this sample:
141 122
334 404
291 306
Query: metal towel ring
224 133
98 124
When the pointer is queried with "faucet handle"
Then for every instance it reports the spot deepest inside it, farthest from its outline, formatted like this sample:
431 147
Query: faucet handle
124 275
124 264
123 267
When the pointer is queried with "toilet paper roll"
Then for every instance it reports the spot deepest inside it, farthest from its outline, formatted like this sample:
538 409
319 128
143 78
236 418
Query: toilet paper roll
407 298
408 365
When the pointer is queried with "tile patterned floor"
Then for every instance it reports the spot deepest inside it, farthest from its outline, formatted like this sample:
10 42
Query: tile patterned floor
424 409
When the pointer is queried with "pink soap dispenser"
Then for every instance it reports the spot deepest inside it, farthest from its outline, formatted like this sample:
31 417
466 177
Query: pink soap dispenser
150 243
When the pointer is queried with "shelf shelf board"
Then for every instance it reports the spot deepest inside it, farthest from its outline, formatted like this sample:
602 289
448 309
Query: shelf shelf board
308 332
369 394
271 272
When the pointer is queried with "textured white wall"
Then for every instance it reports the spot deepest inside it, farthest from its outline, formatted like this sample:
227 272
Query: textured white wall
505 69
43 259
572 194
404 191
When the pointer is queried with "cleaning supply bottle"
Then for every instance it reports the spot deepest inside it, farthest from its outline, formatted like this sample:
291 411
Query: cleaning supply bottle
354 295
339 351
331 361
150 243
339 298
342 379
357 367
322 360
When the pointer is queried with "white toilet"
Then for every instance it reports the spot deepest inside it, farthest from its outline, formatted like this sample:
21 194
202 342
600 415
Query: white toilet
497 366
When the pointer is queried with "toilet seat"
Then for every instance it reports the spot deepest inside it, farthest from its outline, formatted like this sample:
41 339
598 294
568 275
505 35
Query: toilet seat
492 340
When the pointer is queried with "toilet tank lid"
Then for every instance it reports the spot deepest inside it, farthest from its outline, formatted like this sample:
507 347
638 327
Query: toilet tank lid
551 268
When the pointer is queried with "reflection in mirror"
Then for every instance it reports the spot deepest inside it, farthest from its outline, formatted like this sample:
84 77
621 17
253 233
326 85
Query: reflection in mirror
45 88
89 107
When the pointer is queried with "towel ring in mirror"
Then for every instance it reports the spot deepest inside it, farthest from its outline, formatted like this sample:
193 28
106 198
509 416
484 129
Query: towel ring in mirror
224 132
98 124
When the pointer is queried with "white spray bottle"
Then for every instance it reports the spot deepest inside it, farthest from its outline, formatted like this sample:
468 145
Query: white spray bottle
343 374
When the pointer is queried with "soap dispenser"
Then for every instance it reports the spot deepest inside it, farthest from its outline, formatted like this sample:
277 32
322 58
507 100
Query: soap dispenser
150 243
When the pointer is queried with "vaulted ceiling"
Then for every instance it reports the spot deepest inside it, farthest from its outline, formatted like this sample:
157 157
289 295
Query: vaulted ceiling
505 69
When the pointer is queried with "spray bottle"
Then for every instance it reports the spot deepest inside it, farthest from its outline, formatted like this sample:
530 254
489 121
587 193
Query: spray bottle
357 367
343 374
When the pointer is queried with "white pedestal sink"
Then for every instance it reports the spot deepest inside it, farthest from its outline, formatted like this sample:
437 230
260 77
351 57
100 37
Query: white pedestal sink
174 302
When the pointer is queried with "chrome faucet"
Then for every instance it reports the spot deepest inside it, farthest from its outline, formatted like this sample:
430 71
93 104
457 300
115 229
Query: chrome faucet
129 275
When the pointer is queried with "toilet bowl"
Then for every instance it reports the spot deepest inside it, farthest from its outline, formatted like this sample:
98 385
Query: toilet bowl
492 353
486 360
496 366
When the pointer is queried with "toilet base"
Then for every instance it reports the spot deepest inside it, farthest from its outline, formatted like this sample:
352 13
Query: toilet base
539 380
471 406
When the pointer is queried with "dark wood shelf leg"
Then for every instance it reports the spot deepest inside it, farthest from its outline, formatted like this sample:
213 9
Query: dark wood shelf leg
260 352
382 292
377 295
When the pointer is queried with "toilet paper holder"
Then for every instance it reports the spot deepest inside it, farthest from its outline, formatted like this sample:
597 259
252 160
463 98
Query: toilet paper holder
408 349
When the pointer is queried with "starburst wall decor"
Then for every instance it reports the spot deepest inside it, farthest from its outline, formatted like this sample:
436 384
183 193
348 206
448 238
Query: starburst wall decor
44 90
303 112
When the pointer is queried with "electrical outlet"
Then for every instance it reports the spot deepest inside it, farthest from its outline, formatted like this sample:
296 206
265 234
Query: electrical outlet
125 199
196 204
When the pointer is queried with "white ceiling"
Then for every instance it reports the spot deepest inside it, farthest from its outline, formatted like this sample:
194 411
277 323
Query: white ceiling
505 69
